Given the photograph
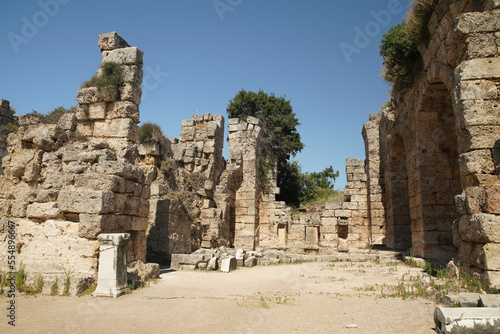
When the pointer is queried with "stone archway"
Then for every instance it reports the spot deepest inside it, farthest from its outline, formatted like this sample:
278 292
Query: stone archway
438 176
398 203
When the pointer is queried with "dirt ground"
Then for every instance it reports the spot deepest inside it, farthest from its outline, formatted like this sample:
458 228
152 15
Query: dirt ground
319 297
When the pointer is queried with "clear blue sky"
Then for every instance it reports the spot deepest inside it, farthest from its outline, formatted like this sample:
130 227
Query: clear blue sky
199 53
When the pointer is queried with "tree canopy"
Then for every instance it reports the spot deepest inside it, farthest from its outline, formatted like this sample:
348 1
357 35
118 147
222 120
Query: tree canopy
278 120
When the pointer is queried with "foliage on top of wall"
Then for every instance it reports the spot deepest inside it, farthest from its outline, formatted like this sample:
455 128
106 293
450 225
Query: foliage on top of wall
111 77
148 131
52 117
402 60
418 18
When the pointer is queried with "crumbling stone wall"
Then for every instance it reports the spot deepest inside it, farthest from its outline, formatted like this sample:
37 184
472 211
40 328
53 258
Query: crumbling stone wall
66 183
186 207
8 124
440 142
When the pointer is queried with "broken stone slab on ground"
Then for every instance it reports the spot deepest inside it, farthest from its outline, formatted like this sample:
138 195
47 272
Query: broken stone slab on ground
228 264
467 320
188 261
490 300
463 300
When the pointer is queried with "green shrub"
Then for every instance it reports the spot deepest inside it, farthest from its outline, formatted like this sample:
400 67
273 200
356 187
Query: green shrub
39 284
54 288
20 278
402 60
111 77
167 165
52 117
401 57
8 128
418 18
147 131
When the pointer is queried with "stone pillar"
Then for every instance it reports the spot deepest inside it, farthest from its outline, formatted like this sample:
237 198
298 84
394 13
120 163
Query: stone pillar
243 142
375 180
112 275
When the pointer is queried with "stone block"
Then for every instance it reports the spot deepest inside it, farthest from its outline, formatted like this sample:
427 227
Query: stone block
342 246
131 92
187 261
67 121
489 301
477 90
476 162
94 95
482 68
251 261
123 109
467 320
117 128
489 256
85 129
343 213
111 41
212 264
85 201
124 56
462 300
228 264
132 73
43 210
481 228
476 22
97 110
492 200
100 182
478 137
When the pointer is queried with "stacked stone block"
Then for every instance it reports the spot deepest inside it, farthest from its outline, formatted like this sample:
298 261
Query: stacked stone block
199 152
112 113
8 123
375 180
477 98
347 222
63 192
243 140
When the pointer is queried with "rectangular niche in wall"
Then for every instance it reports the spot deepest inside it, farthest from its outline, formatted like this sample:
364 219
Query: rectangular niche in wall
282 235
342 228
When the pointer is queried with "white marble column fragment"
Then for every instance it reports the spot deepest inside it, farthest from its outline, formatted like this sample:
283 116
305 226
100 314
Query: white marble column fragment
112 274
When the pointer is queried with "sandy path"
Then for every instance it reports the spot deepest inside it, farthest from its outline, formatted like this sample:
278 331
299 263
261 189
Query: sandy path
301 298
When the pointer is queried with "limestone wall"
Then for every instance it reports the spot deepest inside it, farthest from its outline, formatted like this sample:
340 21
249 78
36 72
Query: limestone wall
62 187
8 124
243 139
439 142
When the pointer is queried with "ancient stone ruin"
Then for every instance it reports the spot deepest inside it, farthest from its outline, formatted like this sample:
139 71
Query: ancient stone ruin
429 183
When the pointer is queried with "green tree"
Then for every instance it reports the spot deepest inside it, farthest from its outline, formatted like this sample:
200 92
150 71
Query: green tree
279 124
326 178
296 187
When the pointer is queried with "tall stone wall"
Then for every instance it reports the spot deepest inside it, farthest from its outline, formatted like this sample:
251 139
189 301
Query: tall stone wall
188 210
63 187
8 124
438 145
